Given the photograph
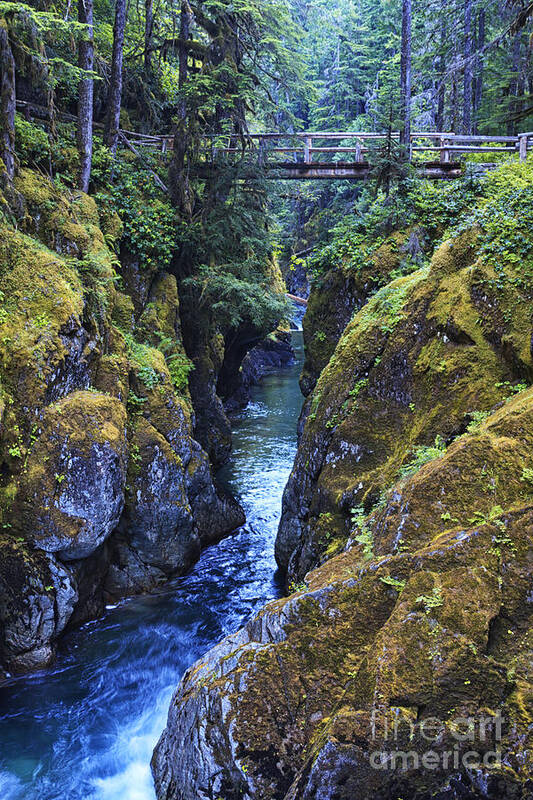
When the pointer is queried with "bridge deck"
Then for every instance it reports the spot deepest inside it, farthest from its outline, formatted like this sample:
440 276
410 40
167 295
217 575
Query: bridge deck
356 170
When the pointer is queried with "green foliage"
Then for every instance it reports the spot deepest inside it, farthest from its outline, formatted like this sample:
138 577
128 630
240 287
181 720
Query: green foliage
431 601
364 536
527 475
423 455
361 384
297 587
396 583
476 418
505 216
179 367
46 38
31 143
151 229
135 404
486 518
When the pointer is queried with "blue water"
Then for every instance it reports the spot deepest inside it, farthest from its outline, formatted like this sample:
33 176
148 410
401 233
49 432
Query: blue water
86 729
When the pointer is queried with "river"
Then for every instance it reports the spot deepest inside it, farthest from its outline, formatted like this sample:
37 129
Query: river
85 730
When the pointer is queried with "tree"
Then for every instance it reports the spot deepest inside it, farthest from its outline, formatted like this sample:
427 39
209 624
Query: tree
85 94
513 85
478 83
405 75
7 103
148 30
467 74
112 126
441 85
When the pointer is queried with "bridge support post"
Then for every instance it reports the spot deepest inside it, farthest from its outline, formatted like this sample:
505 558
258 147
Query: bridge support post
522 147
308 143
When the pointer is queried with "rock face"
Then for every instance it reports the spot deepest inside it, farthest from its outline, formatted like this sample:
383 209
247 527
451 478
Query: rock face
104 490
218 348
393 647
342 290
270 354
424 354
37 598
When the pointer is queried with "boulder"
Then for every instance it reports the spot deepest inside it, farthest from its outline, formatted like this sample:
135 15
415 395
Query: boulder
37 597
72 492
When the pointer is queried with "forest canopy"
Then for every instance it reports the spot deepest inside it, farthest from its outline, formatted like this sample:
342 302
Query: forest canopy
81 80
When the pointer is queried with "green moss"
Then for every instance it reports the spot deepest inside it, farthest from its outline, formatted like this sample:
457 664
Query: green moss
41 294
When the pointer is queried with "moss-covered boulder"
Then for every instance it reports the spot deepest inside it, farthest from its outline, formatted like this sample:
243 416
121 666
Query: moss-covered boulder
402 674
159 538
172 506
422 359
72 491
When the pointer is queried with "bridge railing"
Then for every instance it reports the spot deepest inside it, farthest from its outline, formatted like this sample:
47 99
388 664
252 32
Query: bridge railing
304 146
312 147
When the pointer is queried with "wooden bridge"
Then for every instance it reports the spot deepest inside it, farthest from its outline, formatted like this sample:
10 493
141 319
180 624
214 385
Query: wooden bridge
323 154
344 155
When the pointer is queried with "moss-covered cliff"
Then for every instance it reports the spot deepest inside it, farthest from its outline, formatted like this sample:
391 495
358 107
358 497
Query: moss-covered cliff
426 355
104 490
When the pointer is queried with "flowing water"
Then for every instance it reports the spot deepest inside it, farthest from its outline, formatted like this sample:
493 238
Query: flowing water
86 729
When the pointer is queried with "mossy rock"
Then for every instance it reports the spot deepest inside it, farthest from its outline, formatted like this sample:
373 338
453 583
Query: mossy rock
42 338
72 491
123 314
37 598
425 353
343 290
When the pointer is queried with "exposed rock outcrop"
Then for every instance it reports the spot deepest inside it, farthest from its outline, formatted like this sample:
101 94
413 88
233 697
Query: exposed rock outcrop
342 290
218 348
270 354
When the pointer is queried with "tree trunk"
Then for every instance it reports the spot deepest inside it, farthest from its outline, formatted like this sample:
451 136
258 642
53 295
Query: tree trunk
513 86
7 103
405 76
148 28
478 84
179 179
85 95
441 86
185 26
115 85
467 56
